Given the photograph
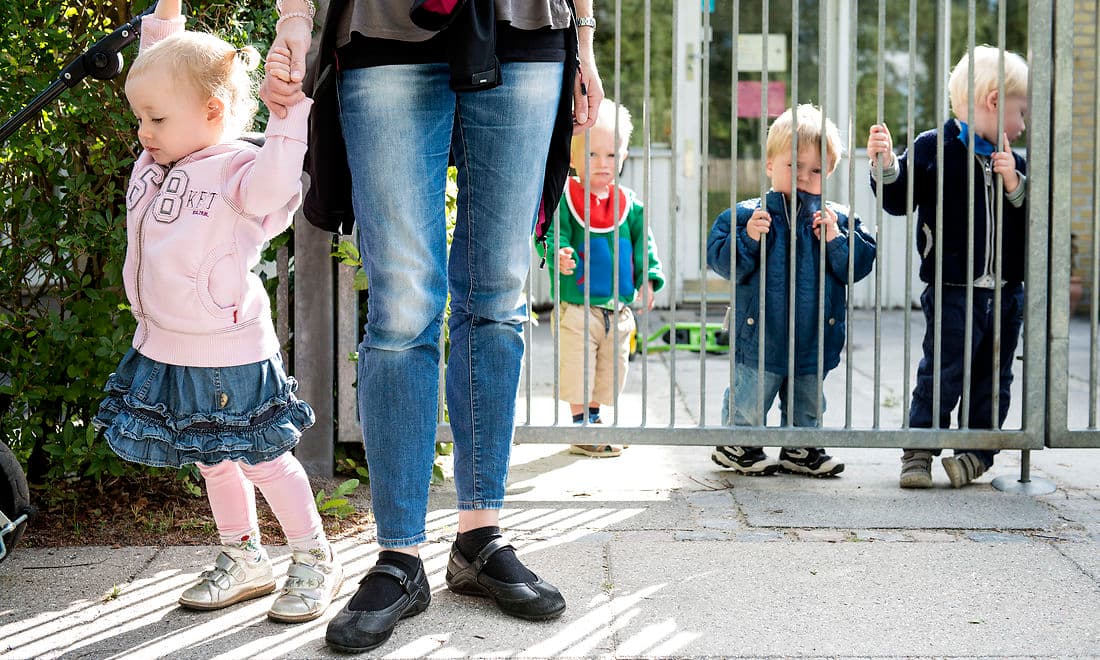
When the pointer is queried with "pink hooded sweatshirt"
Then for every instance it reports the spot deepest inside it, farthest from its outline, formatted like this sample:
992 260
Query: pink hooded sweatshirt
195 231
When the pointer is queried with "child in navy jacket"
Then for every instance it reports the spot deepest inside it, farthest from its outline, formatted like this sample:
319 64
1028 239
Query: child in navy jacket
989 160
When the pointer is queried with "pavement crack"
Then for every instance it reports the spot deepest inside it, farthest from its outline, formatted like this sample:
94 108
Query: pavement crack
1089 574
142 567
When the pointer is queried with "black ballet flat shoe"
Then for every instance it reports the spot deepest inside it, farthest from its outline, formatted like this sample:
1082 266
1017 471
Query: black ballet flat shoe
354 631
535 601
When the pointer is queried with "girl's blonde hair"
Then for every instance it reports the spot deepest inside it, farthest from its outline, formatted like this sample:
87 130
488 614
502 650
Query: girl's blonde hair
986 71
780 134
211 67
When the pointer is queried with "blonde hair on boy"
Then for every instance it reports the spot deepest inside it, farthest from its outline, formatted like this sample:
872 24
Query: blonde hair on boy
606 117
986 70
781 132
211 67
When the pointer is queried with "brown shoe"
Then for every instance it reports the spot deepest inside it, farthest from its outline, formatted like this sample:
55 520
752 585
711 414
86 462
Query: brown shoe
596 451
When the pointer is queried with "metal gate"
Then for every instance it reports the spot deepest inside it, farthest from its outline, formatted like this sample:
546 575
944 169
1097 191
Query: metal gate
673 396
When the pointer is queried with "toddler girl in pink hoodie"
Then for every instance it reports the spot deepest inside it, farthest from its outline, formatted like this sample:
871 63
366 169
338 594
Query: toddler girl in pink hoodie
203 382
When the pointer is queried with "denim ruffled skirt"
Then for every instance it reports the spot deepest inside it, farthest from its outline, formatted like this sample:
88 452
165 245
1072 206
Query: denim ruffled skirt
169 416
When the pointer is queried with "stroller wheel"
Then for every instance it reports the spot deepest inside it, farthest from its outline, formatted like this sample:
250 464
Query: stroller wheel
14 494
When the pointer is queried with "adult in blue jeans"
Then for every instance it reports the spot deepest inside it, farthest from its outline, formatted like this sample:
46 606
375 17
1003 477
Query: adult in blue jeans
405 110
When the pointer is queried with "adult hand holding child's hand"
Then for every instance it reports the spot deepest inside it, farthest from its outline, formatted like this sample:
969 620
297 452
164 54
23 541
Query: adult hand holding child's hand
282 86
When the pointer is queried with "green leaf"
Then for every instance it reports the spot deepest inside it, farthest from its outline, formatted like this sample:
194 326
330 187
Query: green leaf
346 488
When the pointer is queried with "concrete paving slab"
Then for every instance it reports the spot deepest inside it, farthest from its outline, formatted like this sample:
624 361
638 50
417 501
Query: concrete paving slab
708 599
48 594
972 508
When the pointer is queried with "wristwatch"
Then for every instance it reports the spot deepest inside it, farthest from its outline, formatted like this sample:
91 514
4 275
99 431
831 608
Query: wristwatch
586 21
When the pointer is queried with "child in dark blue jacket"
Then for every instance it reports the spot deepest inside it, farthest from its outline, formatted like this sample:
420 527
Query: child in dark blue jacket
989 161
768 224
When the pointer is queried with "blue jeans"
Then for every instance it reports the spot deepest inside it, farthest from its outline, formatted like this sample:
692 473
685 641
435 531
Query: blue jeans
400 124
745 409
953 305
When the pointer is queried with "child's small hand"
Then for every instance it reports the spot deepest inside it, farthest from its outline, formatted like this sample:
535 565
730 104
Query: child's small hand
648 298
759 223
566 263
278 64
1005 165
879 143
168 9
828 220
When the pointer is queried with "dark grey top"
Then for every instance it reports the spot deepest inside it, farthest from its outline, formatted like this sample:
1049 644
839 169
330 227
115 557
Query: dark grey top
389 19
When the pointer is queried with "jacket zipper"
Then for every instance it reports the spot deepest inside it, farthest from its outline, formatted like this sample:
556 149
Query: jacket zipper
990 220
140 263
141 250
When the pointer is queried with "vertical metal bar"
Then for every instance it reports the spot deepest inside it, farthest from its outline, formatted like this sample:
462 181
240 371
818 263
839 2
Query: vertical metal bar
907 314
641 331
879 228
968 323
587 335
1094 242
853 43
703 190
792 219
557 311
823 97
943 38
1046 336
616 210
761 316
673 217
732 315
998 252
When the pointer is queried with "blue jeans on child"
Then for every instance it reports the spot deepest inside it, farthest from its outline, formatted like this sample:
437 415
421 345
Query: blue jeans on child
953 305
745 409
401 123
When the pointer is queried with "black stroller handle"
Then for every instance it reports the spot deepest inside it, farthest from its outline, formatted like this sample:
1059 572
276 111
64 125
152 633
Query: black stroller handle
102 61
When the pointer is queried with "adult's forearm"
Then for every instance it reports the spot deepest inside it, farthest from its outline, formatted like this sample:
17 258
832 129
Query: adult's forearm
585 34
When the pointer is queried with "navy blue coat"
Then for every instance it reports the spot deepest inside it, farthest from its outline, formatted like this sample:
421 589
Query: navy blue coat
743 332
955 214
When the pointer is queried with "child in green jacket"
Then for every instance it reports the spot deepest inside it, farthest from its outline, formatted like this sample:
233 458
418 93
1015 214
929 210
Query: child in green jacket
608 207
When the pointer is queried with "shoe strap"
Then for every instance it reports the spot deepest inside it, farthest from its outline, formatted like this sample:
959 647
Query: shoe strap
224 572
224 562
394 572
487 552
304 574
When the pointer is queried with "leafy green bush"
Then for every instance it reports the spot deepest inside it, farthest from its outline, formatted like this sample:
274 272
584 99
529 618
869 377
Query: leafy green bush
64 319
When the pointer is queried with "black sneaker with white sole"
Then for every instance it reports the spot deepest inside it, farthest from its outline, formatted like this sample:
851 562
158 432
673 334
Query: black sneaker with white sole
745 460
809 461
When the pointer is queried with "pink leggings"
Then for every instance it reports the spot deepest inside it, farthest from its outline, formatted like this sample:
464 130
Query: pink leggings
284 484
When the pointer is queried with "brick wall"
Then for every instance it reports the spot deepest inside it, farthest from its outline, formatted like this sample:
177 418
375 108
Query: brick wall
1084 136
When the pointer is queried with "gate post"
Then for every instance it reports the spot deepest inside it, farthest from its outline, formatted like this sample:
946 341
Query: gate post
314 344
1048 226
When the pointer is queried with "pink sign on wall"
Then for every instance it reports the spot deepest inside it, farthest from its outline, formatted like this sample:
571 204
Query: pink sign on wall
748 98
